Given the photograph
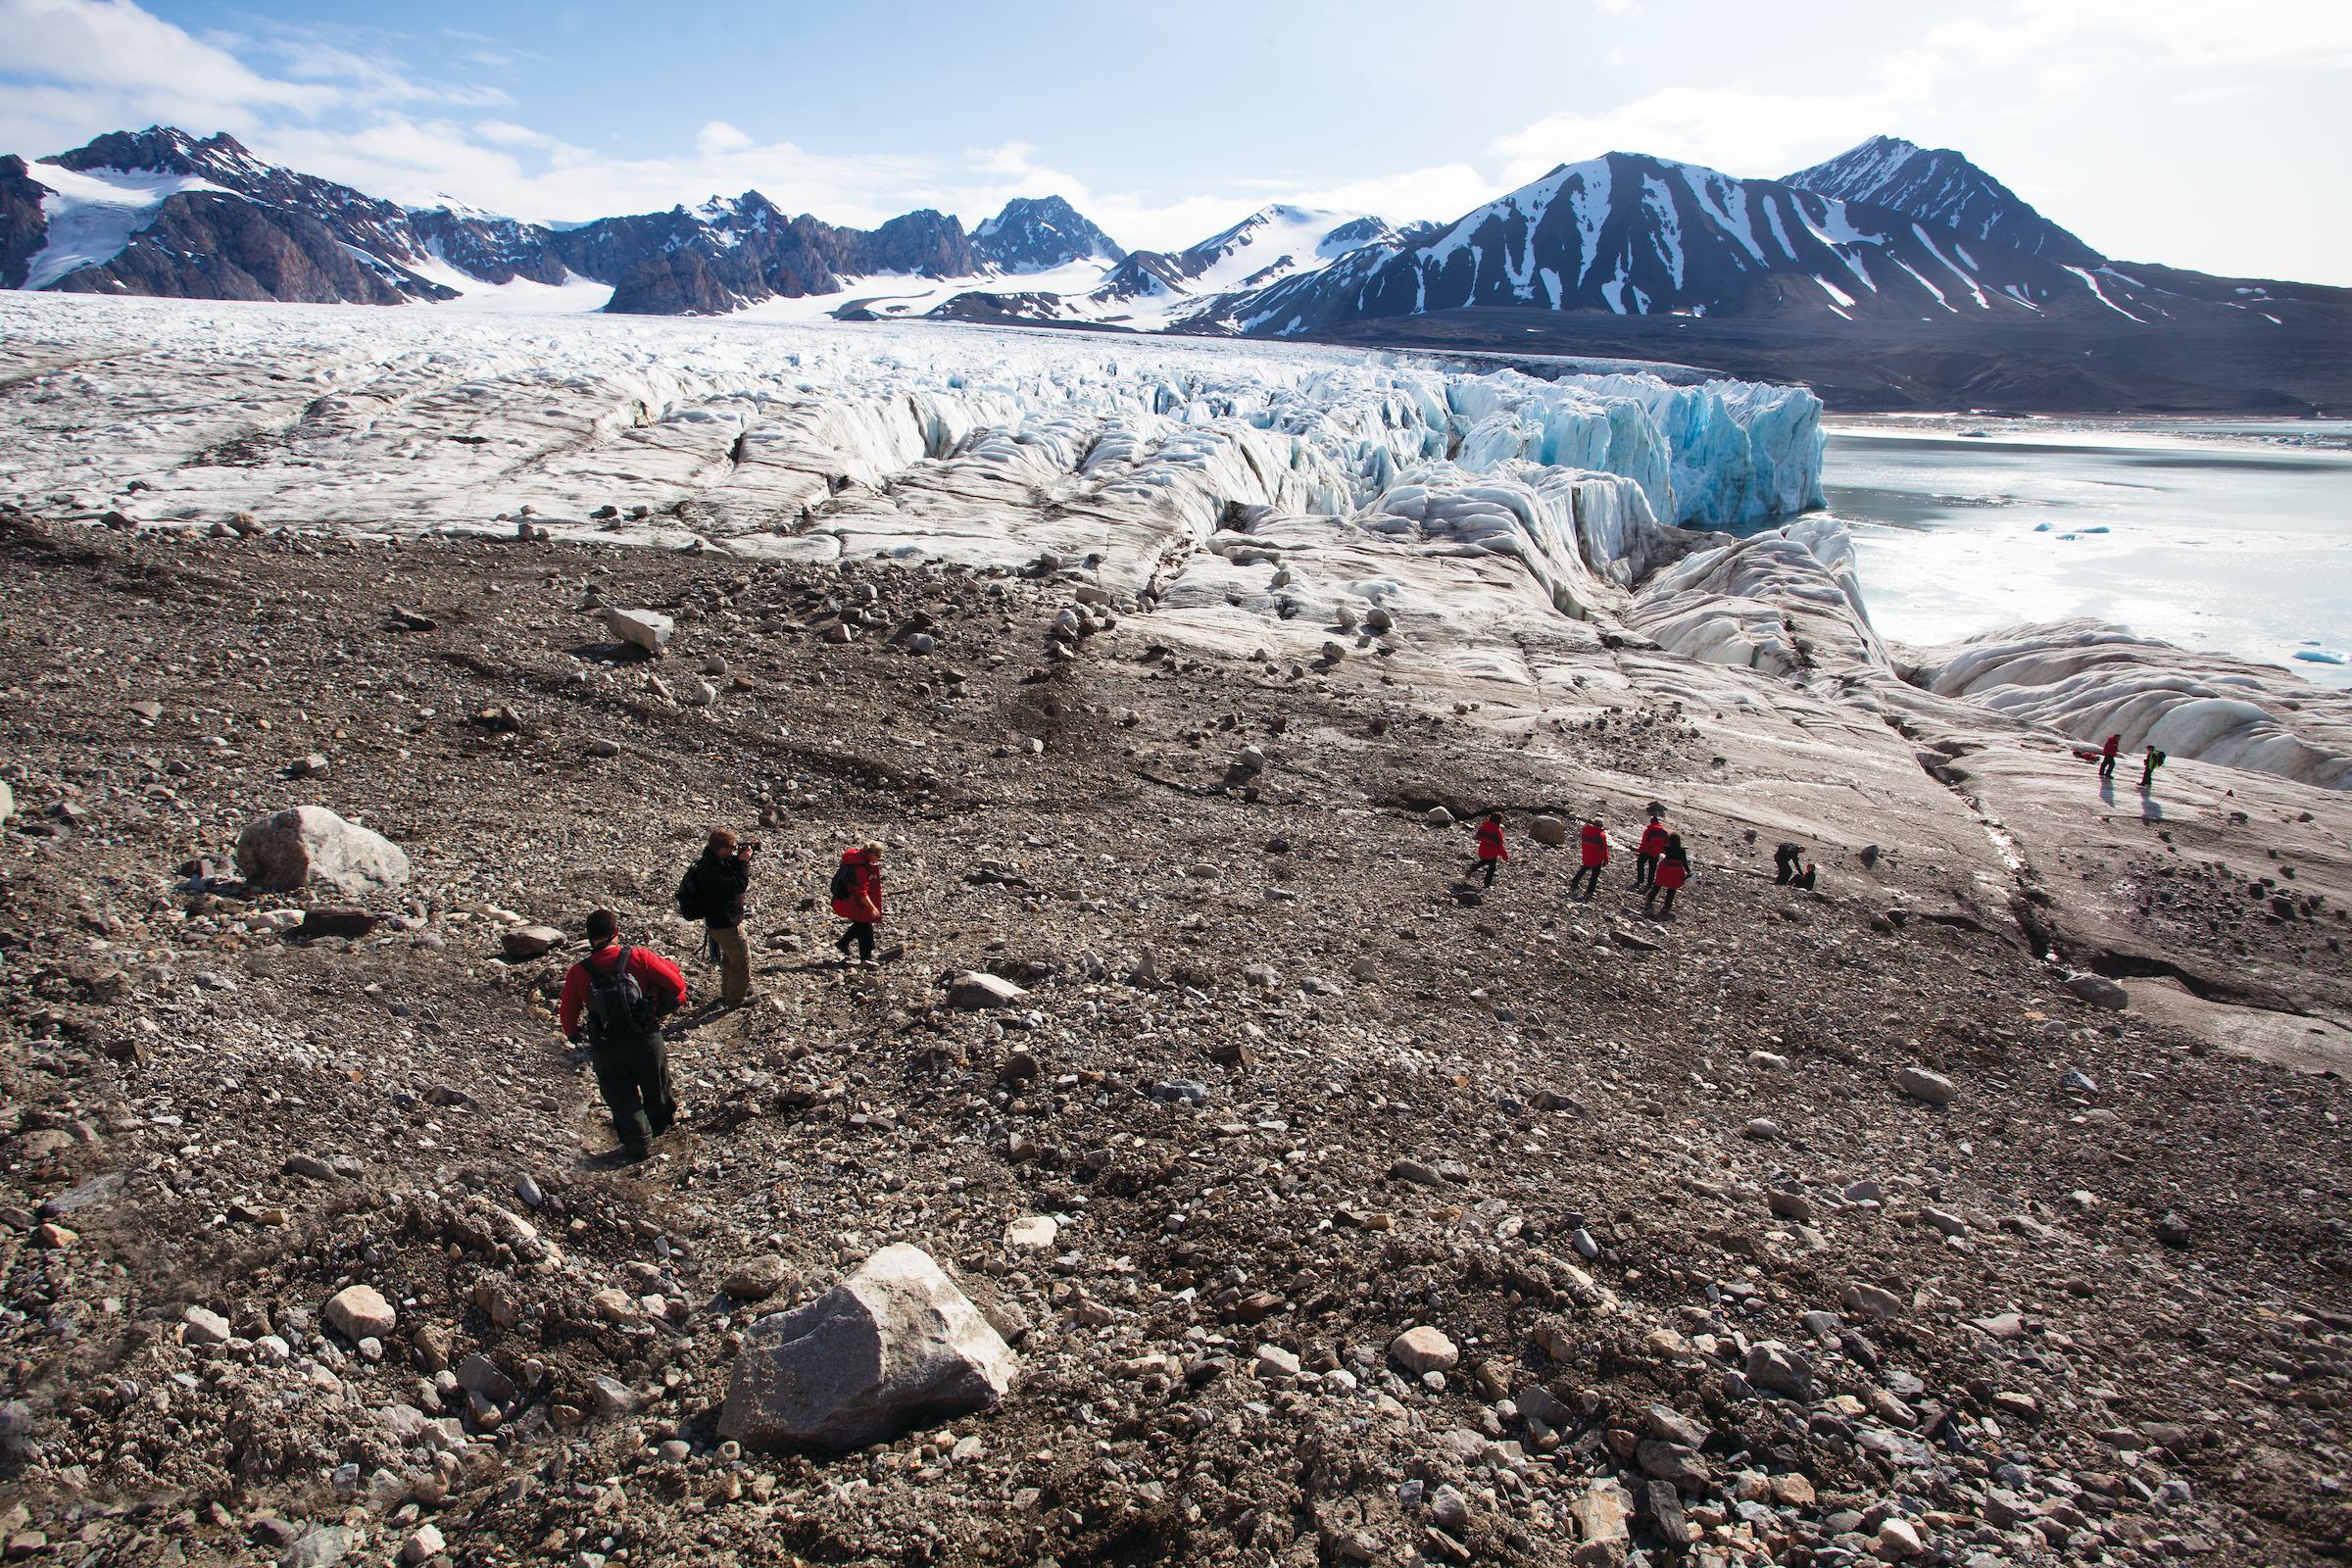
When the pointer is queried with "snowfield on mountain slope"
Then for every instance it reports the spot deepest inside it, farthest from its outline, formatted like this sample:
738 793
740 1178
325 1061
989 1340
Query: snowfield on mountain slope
95 213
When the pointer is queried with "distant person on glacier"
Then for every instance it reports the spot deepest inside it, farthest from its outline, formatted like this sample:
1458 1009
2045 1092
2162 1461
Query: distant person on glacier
2107 756
2149 765
1673 871
1784 862
1592 845
1646 855
1490 850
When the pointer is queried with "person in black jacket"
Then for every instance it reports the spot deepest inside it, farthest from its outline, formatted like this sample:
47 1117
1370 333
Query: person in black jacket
712 892
1785 860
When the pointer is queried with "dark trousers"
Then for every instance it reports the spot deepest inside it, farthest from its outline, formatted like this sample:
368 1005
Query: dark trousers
1786 864
635 1083
1491 865
1592 872
2106 767
860 932
1646 869
1668 909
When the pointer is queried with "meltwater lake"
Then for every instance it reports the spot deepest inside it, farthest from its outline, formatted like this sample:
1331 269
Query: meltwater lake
2232 536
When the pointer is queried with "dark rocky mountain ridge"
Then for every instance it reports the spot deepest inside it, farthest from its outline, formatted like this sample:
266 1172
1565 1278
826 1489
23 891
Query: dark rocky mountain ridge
274 234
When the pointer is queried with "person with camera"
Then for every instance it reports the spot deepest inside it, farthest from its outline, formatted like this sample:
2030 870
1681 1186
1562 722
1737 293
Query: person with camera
712 891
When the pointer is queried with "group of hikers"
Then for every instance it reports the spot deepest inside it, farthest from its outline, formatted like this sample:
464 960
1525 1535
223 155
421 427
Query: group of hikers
616 1000
2149 762
1660 863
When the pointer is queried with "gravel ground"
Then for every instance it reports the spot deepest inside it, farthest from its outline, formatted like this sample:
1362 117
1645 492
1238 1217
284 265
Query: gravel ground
1714 1287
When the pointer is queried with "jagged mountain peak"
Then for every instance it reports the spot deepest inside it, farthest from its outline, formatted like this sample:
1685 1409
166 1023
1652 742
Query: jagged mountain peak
1941 185
1037 233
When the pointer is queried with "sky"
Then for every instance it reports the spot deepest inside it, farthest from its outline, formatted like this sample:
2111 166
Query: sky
2193 134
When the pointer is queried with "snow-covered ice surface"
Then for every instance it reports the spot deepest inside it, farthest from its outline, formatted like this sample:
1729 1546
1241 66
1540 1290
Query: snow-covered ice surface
95 212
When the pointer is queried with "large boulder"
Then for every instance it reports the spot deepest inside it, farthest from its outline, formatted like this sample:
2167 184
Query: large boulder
310 844
2099 991
894 1344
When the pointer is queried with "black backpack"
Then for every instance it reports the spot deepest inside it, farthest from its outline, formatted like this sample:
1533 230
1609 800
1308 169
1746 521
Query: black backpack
693 904
619 1013
845 880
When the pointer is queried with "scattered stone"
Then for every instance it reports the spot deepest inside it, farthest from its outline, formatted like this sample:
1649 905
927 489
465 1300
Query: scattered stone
756 1279
523 942
1550 830
2099 991
977 991
642 628
359 1313
1930 1087
1424 1349
1438 816
201 1326
2172 1230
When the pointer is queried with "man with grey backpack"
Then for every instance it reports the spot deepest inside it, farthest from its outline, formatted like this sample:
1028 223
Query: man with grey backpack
617 997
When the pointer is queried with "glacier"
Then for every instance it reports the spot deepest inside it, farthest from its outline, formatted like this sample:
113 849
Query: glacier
1489 529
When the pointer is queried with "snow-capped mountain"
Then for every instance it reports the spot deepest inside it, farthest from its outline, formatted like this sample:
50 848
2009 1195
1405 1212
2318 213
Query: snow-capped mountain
1272 243
1634 235
1942 188
1037 234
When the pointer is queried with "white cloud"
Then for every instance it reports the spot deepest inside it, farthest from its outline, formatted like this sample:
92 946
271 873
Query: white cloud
719 138
1736 130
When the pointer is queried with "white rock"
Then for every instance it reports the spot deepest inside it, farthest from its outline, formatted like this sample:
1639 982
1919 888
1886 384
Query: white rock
202 1327
646 628
359 1313
2099 991
426 1542
310 844
1424 1349
1438 816
893 1343
977 990
1550 830
1032 1230
1933 1087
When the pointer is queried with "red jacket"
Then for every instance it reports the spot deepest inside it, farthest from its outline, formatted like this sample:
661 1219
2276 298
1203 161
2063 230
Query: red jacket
657 978
1595 844
1673 873
865 901
1653 840
1489 842
2108 749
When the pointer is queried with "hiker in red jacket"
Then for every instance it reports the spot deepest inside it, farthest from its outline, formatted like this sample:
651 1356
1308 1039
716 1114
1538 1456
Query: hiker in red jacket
1673 869
1593 841
1490 850
618 996
1646 857
2107 756
857 898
